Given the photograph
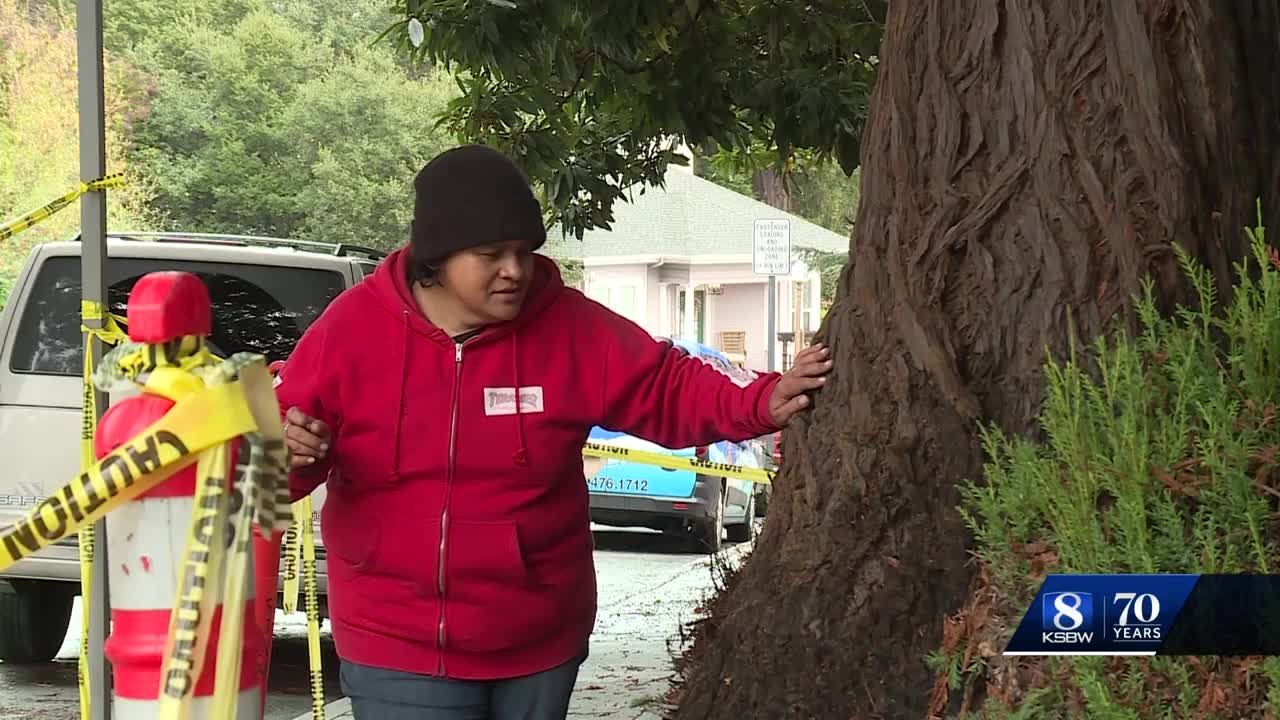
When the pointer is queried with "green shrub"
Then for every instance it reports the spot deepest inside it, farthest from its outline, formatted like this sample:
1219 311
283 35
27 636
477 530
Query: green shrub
1159 457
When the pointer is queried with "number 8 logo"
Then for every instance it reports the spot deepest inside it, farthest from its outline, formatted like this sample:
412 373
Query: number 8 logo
1070 611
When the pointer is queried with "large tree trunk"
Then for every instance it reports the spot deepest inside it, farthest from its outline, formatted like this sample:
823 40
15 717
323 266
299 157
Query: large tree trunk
1026 163
771 188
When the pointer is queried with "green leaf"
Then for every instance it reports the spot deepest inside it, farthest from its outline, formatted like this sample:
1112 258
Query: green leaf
592 79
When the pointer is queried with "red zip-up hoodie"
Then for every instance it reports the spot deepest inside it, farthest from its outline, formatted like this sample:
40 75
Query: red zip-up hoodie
456 524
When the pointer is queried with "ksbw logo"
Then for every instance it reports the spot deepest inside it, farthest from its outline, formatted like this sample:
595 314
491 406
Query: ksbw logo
1067 618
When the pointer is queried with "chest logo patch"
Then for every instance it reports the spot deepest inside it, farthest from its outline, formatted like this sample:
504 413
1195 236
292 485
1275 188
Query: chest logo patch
502 401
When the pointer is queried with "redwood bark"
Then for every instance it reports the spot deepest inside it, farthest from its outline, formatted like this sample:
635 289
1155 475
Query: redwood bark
1026 164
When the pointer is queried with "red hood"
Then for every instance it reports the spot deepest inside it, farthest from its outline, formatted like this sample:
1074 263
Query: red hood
393 294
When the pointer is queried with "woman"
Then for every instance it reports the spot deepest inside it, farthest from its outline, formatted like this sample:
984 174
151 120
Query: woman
445 401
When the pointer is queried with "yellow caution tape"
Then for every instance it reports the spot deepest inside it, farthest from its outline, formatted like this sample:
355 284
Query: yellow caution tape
673 462
238 401
198 591
13 227
109 334
313 610
292 558
197 428
222 523
261 483
142 358
299 563
244 498
200 421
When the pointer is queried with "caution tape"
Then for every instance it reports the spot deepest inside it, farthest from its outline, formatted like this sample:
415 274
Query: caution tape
175 371
313 610
198 592
244 500
218 550
202 420
674 462
35 217
234 399
292 558
109 334
299 566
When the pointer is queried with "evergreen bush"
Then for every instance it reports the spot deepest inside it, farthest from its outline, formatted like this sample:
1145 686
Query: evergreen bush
1159 456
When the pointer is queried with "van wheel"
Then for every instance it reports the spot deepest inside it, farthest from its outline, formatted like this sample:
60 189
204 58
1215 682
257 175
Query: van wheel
709 532
745 532
34 616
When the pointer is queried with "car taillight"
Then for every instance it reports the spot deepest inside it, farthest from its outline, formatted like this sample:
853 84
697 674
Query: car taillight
700 452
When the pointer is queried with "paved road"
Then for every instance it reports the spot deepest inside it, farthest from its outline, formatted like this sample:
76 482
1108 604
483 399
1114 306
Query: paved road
649 585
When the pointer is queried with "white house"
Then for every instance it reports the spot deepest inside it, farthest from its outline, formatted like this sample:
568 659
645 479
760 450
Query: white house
678 262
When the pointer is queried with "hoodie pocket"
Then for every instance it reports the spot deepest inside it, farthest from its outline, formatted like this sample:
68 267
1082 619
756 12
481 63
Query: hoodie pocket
399 547
346 536
488 591
485 554
407 551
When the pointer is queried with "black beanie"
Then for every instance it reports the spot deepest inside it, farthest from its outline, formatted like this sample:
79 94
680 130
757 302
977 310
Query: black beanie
470 196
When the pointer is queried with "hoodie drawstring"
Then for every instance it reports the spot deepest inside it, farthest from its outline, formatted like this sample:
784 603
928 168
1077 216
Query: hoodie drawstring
404 380
521 456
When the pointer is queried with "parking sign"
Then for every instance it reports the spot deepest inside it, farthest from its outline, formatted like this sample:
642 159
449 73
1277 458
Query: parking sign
771 254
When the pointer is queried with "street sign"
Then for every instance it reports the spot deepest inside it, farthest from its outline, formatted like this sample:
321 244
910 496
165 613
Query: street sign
771 254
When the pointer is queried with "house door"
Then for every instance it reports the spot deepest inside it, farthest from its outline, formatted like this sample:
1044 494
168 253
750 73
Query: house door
699 314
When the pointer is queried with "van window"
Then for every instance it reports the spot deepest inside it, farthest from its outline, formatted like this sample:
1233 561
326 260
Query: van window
367 267
256 308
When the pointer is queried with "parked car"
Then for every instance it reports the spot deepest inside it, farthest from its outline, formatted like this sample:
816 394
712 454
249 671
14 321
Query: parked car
265 293
630 494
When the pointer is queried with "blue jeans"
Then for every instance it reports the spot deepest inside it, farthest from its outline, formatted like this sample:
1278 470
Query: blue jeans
378 694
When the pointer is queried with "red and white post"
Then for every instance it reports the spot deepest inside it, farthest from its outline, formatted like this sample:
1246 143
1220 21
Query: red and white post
147 538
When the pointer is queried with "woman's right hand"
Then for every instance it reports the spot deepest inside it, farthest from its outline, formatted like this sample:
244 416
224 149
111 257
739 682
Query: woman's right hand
307 438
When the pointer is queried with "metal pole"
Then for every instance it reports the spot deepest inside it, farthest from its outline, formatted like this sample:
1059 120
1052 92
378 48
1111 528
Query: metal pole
773 339
773 322
93 254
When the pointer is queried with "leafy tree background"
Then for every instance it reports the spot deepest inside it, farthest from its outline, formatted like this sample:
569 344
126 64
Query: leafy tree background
39 148
240 116
283 121
291 118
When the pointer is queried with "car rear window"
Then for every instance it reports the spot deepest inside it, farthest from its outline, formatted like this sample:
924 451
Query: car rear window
256 308
368 267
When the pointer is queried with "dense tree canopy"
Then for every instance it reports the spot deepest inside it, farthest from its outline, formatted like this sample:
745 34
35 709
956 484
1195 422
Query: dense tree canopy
593 97
292 117
39 149
283 123
280 117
